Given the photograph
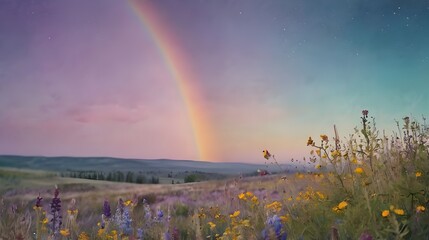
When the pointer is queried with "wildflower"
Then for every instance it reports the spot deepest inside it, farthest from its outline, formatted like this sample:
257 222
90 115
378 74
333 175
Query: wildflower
56 221
359 170
274 223
160 214
249 194
38 205
284 218
418 174
324 138
399 212
255 200
235 214
126 223
242 196
212 225
266 154
335 153
274 206
320 195
64 232
365 113
318 166
310 141
100 232
83 236
342 205
106 209
420 208
385 213
128 203
140 233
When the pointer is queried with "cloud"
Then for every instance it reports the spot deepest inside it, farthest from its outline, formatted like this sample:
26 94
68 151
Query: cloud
108 114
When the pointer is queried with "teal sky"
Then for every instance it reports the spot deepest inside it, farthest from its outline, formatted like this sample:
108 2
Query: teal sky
84 78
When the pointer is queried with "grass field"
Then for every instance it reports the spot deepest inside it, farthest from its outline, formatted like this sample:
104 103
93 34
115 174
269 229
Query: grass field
368 187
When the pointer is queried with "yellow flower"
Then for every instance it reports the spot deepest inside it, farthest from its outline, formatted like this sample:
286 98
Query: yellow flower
212 225
249 194
320 195
45 221
275 206
420 208
354 160
83 236
335 209
128 203
418 174
255 200
385 213
335 153
72 212
283 218
100 232
245 222
37 208
359 170
399 212
318 166
65 232
266 154
242 196
235 214
342 205
290 198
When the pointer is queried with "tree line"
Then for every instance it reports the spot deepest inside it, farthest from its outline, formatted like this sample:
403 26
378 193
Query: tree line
113 176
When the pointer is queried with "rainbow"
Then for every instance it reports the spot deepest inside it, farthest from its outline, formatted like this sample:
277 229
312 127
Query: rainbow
181 72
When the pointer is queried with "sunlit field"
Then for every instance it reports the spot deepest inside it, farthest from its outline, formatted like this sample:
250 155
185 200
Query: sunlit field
368 187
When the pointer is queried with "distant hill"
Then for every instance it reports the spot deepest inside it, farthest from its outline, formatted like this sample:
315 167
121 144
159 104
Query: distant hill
106 164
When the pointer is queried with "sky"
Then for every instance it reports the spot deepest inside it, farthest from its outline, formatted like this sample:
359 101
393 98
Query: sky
203 79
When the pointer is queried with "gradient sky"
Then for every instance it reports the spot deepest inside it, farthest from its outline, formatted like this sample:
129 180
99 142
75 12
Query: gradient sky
86 78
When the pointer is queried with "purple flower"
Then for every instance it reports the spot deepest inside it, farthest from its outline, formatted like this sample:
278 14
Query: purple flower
56 221
274 223
140 233
160 214
39 201
365 236
106 209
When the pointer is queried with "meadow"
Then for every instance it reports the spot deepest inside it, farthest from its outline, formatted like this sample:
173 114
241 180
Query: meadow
368 186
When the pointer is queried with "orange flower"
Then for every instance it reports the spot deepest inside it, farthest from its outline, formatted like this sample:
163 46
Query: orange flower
385 213
399 212
359 170
342 205
418 174
420 208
